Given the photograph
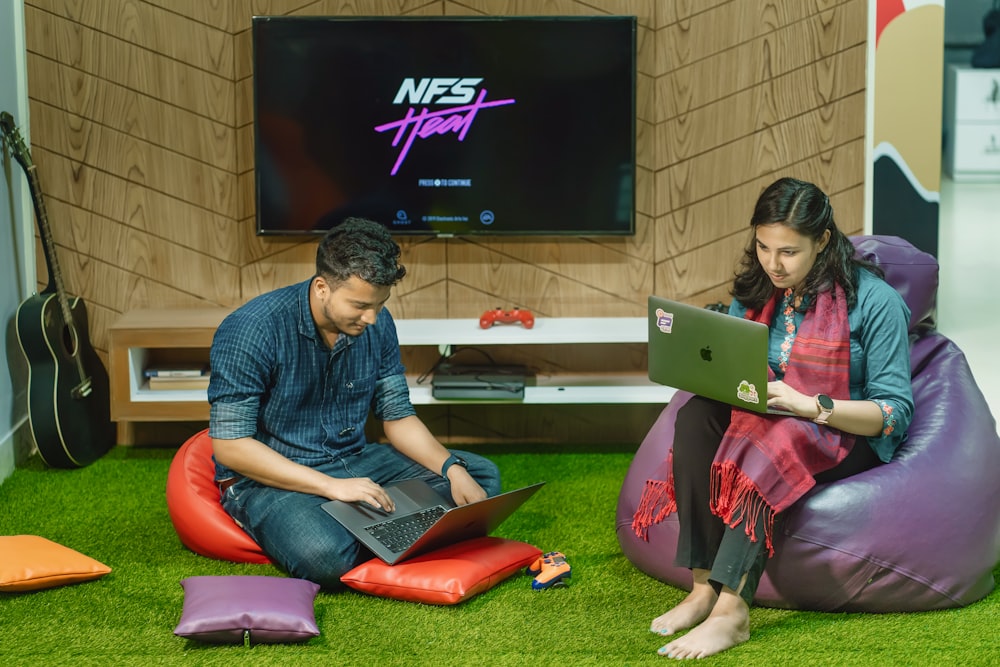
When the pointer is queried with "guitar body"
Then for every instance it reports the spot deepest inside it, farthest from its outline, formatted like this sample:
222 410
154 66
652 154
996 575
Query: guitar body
70 419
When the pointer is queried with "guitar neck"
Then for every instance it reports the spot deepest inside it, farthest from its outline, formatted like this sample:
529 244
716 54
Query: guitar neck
48 244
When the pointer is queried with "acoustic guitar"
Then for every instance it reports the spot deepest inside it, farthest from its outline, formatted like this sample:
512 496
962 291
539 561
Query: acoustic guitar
68 397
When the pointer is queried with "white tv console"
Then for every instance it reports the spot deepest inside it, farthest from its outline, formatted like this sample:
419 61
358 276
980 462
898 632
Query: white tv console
142 337
570 388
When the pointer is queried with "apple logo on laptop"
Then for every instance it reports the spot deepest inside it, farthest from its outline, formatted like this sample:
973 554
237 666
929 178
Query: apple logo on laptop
706 353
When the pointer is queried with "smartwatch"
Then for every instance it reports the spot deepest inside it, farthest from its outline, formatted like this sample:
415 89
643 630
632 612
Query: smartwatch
450 461
825 405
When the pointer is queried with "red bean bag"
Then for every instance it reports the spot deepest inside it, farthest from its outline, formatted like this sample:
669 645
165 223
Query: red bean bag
193 502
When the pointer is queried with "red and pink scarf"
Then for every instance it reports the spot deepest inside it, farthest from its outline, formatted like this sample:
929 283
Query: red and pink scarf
767 462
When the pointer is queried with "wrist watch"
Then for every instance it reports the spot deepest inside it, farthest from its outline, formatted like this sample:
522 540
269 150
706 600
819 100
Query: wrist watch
450 461
825 405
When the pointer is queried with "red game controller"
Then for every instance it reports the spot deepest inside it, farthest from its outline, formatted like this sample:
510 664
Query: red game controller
501 316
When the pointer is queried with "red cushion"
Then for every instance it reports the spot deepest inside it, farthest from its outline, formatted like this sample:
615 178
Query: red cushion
445 576
193 502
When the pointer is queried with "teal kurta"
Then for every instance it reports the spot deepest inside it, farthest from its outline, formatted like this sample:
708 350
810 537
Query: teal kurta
880 356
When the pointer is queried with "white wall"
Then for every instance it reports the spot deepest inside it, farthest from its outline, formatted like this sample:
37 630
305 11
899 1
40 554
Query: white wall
16 221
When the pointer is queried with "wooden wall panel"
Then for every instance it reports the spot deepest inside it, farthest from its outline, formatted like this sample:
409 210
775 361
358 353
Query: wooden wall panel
221 15
135 160
761 153
754 109
173 221
744 64
58 37
728 211
141 116
571 279
176 36
132 109
697 35
143 254
142 126
674 11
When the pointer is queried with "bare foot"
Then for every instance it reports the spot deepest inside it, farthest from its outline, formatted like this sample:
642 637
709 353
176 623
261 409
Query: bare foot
726 626
691 611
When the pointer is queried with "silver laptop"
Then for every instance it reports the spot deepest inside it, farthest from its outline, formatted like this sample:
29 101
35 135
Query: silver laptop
708 353
423 519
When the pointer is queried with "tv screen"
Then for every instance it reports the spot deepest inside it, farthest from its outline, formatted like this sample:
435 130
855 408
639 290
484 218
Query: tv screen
445 126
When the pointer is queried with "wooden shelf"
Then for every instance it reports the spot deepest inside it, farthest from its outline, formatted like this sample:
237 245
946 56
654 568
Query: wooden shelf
138 338
143 337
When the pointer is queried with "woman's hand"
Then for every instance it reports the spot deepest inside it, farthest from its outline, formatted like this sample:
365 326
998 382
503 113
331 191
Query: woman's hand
782 395
862 417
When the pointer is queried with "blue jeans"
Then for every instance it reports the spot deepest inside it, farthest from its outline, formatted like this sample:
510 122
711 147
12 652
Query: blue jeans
301 538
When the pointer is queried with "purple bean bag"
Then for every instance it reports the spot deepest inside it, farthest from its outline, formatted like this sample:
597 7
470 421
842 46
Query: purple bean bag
921 532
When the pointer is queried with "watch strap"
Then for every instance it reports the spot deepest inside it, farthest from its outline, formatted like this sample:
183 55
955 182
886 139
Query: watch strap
449 462
824 412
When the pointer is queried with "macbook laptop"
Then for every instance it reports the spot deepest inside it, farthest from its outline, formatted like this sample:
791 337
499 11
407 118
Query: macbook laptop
709 353
423 519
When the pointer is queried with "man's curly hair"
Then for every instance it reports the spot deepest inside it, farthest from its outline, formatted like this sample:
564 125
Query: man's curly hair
362 248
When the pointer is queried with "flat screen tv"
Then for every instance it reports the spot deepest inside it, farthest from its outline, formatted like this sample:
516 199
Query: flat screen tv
445 126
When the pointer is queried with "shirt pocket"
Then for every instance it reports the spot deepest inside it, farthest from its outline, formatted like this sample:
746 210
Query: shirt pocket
354 396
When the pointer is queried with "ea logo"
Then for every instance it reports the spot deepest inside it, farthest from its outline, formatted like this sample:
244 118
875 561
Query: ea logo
706 353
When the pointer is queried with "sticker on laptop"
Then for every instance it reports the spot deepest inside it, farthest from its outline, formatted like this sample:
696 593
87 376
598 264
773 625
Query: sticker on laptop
664 320
747 393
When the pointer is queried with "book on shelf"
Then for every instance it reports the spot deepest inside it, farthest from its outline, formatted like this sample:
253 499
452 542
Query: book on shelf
188 370
179 382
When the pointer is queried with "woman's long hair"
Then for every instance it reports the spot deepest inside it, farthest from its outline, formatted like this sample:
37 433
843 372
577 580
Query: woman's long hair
805 209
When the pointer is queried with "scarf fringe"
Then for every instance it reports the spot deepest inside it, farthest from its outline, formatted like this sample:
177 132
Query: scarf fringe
735 499
656 503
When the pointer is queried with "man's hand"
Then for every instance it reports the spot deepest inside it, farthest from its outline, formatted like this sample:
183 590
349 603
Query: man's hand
360 489
464 489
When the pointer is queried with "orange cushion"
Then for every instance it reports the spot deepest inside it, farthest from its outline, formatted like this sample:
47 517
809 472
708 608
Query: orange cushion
446 576
193 502
29 563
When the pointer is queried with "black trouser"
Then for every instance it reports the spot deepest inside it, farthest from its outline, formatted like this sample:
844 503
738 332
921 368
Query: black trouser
705 541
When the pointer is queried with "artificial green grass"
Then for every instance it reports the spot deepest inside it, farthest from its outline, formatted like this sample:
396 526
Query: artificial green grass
115 511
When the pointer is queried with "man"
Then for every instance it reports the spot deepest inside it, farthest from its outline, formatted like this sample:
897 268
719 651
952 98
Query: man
295 373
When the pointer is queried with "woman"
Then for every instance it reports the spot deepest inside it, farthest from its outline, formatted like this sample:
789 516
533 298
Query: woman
839 359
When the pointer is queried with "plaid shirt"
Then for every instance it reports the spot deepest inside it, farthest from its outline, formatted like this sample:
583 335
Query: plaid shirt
274 379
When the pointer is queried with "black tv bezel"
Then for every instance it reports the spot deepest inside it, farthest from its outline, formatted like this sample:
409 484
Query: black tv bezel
608 231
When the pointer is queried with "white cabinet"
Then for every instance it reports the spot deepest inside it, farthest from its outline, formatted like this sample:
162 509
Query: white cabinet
972 123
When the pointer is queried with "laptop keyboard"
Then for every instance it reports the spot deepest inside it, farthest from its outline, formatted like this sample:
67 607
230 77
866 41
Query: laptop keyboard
399 533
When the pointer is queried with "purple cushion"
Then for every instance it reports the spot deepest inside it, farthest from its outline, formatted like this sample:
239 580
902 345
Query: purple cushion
919 533
913 272
248 610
